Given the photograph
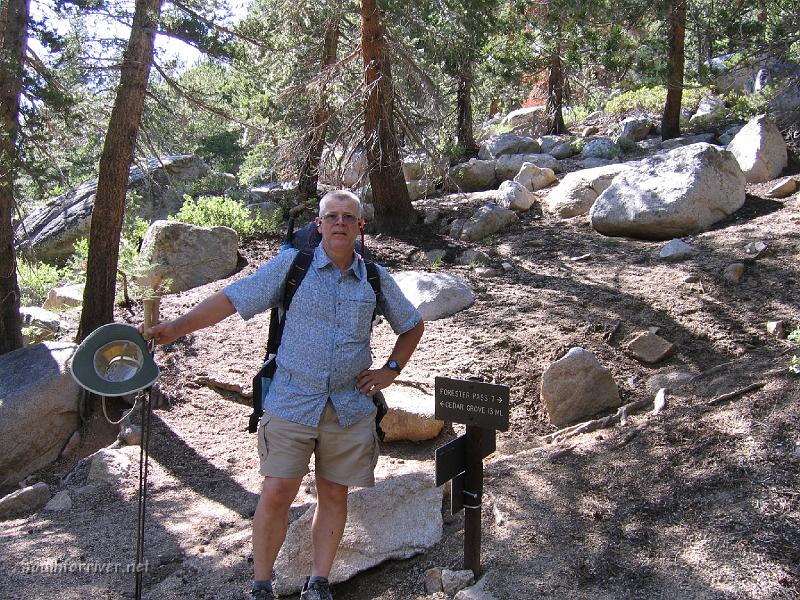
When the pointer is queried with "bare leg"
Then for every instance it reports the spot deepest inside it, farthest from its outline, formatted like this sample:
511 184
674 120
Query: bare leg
271 522
328 525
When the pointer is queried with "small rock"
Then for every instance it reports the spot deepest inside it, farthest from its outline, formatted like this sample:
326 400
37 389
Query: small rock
433 580
453 581
473 257
691 279
61 501
507 267
776 328
130 435
650 348
733 272
676 250
757 249
591 130
109 465
25 501
487 272
783 188
435 256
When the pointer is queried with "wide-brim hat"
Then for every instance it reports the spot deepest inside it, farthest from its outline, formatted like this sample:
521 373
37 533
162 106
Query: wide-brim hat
114 361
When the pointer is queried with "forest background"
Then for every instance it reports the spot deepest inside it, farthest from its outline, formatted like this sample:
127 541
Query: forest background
85 93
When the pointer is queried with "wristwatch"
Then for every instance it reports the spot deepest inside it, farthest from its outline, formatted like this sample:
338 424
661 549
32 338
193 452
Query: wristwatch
392 364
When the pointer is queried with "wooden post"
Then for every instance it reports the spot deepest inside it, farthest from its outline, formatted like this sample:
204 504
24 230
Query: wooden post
151 310
473 497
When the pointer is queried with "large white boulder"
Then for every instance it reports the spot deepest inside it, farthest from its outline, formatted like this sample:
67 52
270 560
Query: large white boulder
187 255
577 386
398 518
39 407
600 147
671 195
473 176
514 196
410 416
508 143
65 296
709 110
534 178
635 129
576 193
508 166
435 295
25 501
485 221
760 150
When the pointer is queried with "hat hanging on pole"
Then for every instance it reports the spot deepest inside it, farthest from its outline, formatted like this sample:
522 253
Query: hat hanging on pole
114 361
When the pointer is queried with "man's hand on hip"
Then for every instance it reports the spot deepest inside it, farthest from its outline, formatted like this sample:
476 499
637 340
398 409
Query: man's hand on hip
371 381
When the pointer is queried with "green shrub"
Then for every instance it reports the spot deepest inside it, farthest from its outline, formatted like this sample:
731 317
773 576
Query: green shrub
35 280
212 211
575 114
794 337
745 107
651 100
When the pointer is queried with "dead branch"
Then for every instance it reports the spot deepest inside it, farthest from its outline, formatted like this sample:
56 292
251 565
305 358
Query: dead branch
618 417
609 335
736 393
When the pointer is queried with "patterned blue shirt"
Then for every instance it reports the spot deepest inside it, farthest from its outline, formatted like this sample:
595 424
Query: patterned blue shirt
326 338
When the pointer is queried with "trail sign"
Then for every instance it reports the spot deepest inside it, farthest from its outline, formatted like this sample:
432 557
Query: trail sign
451 459
484 408
475 403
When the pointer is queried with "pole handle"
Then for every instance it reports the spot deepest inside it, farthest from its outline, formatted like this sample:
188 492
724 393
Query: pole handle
151 312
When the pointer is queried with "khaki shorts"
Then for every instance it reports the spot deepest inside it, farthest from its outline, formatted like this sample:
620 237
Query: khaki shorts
344 455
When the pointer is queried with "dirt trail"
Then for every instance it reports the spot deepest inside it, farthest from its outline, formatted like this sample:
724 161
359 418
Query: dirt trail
697 502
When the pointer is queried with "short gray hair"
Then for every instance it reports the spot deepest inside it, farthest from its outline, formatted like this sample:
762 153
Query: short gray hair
340 195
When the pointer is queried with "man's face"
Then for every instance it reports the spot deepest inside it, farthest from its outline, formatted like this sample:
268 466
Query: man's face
339 225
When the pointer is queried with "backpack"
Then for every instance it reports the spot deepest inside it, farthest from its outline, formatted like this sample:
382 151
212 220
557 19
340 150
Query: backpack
306 240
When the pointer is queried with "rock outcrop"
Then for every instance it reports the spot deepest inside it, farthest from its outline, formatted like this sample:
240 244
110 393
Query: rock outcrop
671 195
39 408
184 256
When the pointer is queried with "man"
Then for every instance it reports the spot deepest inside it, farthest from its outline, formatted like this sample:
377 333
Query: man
319 401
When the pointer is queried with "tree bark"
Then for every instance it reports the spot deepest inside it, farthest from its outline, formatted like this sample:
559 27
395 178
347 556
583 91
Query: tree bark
13 41
115 162
671 119
464 135
555 94
393 210
315 140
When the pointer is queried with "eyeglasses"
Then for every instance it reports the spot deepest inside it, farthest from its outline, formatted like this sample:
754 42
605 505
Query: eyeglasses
346 218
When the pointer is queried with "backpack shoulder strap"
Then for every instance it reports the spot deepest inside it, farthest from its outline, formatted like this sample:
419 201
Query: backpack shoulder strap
296 274
374 278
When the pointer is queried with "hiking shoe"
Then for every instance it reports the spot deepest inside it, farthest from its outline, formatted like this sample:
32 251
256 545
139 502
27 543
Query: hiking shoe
261 595
319 590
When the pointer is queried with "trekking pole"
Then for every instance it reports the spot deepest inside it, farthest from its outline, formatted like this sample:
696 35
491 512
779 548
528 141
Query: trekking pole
151 317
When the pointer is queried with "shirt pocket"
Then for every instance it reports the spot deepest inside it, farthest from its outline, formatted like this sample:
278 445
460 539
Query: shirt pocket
356 311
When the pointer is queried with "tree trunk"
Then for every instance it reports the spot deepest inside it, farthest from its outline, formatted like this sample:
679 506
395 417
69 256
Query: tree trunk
671 119
464 135
13 41
115 162
393 210
315 140
555 95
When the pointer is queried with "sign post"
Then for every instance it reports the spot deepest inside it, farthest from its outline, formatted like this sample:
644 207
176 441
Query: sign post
484 408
